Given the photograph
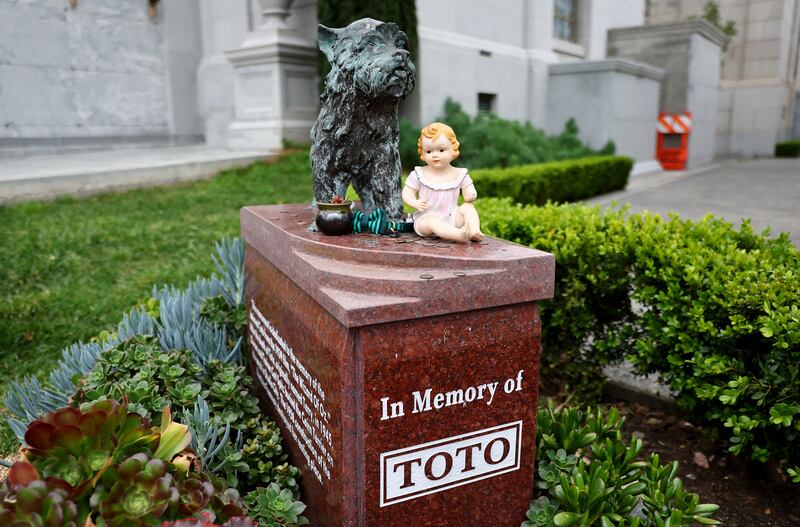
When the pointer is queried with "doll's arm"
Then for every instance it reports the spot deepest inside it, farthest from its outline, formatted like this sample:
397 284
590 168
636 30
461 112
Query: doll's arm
469 193
410 199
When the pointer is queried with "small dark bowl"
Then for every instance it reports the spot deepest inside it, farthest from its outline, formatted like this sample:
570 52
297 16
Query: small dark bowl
335 219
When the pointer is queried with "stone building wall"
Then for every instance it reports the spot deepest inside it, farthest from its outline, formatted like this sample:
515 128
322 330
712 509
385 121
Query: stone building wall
102 72
611 100
759 70
461 55
689 53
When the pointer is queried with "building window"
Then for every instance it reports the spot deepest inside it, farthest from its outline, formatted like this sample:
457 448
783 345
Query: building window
565 21
486 102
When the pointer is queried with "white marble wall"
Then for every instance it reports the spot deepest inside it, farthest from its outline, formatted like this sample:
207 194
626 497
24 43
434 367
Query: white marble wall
461 54
689 52
701 98
610 100
97 70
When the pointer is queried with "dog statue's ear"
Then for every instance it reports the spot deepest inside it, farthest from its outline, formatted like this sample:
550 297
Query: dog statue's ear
327 38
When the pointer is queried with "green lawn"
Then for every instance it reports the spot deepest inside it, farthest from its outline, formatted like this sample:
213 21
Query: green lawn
69 268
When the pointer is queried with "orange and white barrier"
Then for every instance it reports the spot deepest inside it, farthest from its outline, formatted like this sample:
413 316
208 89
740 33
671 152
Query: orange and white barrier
672 143
675 124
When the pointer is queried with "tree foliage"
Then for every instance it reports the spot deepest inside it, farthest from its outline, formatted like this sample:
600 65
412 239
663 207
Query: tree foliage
340 13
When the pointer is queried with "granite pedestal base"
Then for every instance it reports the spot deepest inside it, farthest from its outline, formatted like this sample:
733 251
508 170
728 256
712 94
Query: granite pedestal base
404 371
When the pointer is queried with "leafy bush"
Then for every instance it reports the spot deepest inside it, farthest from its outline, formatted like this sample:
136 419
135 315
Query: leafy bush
589 476
488 141
716 313
788 149
592 282
720 321
559 181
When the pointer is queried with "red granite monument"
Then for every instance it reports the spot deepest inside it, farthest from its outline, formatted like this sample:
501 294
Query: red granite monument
404 371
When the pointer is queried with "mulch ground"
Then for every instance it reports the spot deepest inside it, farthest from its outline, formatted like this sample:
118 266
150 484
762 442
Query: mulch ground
746 494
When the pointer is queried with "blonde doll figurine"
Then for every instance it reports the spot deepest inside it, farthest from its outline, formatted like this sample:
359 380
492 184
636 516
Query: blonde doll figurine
433 190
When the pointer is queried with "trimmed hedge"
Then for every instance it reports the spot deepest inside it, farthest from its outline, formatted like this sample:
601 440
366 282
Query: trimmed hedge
559 181
717 313
788 149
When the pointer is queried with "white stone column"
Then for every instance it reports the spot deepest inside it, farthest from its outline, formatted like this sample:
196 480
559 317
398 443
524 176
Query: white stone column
275 83
539 51
224 25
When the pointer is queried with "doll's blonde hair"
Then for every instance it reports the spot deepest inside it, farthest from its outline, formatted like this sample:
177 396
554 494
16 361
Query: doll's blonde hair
434 130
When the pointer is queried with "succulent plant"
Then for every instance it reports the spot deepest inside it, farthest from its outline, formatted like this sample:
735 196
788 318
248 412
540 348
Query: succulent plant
230 263
286 476
205 520
226 503
74 445
26 500
184 392
275 507
233 318
136 492
180 327
149 377
541 513
229 392
264 453
196 492
208 437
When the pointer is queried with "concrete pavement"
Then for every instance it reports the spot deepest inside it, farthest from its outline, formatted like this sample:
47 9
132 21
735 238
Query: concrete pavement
85 173
765 190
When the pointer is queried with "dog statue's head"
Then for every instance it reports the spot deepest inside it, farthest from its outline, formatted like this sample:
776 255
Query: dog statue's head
374 53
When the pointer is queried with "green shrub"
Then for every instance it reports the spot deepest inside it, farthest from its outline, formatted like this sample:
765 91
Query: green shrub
488 141
409 135
720 321
559 181
717 313
592 281
588 475
788 149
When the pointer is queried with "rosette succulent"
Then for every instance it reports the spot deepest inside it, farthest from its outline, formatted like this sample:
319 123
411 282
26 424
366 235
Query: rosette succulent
26 500
74 445
136 492
229 392
196 492
275 507
205 520
286 476
148 376
264 453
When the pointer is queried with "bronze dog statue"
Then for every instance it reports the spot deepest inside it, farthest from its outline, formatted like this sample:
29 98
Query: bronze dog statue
355 138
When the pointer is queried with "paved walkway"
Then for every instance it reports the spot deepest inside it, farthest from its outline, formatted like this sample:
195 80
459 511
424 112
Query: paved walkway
84 173
765 190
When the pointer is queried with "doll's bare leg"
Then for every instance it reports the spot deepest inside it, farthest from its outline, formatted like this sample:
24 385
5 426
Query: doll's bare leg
436 226
471 221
